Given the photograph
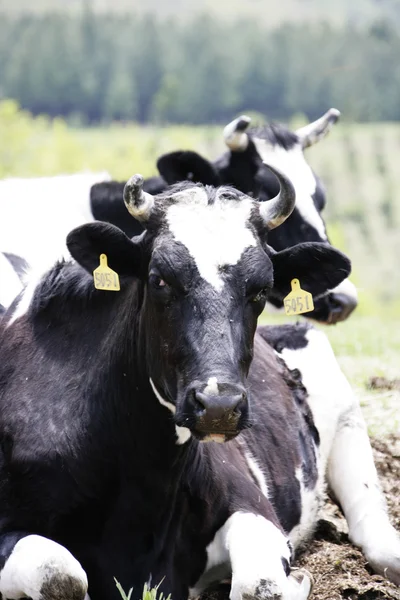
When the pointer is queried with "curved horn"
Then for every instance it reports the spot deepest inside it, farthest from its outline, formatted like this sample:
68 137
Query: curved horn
139 203
315 131
234 134
275 211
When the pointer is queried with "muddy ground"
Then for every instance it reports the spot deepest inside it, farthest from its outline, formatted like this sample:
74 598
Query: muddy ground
339 569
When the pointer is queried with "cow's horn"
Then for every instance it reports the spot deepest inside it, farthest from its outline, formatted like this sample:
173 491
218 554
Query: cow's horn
315 131
234 134
139 203
275 211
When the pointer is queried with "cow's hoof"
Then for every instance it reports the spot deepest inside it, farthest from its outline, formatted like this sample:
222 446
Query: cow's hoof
302 581
63 587
383 552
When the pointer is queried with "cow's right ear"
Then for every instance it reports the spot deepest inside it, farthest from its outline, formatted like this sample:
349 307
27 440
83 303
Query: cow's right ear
87 242
186 165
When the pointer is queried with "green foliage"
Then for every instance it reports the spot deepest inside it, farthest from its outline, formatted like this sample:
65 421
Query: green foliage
148 592
108 67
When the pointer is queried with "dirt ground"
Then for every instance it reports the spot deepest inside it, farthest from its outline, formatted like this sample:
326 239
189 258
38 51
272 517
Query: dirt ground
338 568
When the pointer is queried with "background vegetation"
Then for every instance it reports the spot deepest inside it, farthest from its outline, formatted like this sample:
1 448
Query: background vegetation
93 67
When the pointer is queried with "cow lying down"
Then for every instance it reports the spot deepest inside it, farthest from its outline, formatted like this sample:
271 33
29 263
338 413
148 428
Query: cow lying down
108 400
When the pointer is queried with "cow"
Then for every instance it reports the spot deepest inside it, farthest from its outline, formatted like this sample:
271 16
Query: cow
151 433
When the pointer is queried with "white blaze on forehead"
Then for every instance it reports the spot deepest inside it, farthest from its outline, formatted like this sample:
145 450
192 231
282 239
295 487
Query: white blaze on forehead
215 235
293 164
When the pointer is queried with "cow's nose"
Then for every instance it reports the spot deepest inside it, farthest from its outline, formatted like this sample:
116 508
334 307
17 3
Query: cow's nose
340 307
221 409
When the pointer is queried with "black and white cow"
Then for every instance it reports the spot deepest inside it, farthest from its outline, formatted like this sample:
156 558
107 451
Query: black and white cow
107 398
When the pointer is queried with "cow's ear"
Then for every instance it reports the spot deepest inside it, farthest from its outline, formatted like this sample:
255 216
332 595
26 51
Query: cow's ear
317 266
87 242
185 165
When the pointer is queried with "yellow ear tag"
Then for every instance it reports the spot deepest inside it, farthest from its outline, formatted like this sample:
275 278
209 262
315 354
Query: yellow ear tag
104 277
298 301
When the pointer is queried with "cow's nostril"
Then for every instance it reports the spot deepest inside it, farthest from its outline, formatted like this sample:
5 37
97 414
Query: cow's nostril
199 403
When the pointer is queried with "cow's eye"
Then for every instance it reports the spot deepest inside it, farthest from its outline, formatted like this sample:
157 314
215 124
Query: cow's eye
261 296
156 281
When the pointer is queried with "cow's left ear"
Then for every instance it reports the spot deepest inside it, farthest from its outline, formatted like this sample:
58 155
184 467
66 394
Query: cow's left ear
317 266
186 165
87 242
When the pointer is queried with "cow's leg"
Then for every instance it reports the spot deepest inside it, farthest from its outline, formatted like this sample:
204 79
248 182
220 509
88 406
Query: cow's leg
354 481
259 554
40 569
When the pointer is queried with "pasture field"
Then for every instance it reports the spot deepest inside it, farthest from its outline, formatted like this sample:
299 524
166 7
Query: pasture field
359 166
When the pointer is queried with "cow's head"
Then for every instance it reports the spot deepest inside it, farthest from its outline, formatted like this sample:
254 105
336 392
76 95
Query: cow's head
278 146
206 271
242 166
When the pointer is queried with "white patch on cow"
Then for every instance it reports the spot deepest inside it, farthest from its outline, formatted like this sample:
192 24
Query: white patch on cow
182 433
329 392
311 503
35 561
347 288
10 284
293 164
253 548
215 235
257 472
37 214
32 280
211 388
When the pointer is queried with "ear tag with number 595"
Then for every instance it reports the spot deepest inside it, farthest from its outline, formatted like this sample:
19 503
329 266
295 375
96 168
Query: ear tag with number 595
104 277
298 301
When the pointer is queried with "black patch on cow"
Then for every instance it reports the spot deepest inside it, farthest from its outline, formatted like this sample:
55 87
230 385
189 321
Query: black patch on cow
276 134
289 335
186 165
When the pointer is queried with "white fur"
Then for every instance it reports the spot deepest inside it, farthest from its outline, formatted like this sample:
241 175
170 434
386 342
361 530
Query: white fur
211 388
311 502
33 561
182 433
257 472
32 280
329 392
215 235
347 288
37 214
293 164
253 548
10 284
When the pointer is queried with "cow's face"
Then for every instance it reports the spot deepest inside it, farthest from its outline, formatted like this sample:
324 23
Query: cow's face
207 272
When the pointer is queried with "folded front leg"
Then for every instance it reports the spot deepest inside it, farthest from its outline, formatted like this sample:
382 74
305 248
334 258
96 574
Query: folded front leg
260 555
40 569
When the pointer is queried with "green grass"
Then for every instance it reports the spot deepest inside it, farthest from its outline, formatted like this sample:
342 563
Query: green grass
149 593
